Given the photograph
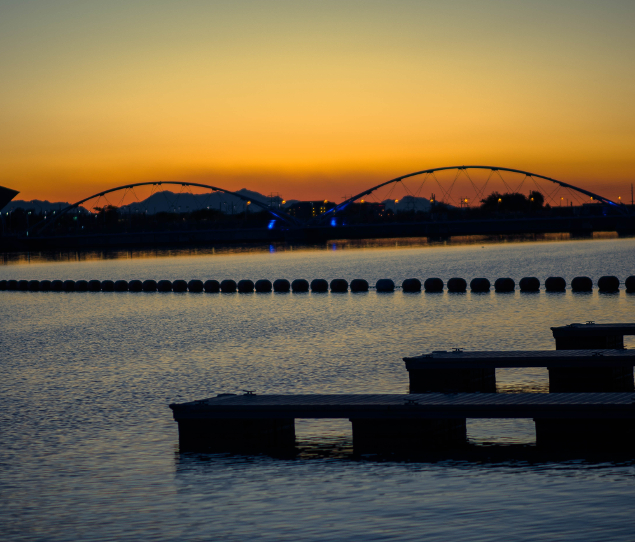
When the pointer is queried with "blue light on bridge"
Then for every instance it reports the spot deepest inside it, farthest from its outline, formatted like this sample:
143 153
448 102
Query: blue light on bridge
271 225
333 222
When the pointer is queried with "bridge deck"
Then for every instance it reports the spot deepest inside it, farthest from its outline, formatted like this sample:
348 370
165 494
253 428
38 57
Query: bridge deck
411 406
523 358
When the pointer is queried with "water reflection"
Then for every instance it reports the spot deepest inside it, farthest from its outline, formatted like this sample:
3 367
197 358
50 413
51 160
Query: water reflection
332 245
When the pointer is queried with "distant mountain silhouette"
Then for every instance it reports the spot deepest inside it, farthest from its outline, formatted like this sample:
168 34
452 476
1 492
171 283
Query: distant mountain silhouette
408 203
37 206
163 202
175 202
167 201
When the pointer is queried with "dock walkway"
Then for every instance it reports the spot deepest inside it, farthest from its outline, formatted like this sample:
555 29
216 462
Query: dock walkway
591 335
395 422
602 370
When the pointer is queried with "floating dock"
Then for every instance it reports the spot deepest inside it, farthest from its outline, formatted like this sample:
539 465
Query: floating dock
591 336
605 370
405 422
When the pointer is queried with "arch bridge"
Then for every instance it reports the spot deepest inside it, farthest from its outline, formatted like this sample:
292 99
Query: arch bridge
429 175
47 223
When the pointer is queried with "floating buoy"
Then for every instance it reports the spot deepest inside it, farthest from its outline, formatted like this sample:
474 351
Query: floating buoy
555 284
319 286
385 285
281 286
359 285
107 286
245 286
56 286
69 286
211 286
12 285
529 284
178 285
167 286
45 286
3 285
504 285
121 286
195 286
135 285
608 284
630 284
34 286
480 285
23 285
433 285
263 286
149 285
94 286
300 285
411 285
457 285
581 284
339 286
228 286
81 286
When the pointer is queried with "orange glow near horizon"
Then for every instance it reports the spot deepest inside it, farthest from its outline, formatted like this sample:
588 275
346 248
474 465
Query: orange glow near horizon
312 102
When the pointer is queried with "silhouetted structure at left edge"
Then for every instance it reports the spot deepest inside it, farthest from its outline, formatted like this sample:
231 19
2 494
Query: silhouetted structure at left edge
6 195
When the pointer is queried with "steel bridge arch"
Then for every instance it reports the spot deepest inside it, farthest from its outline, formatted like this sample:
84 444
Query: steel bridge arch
345 204
47 223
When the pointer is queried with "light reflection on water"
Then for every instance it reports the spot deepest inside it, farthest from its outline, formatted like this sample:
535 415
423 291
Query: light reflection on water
88 449
62 256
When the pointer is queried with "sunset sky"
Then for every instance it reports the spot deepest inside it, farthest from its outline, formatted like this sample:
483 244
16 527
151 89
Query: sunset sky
312 99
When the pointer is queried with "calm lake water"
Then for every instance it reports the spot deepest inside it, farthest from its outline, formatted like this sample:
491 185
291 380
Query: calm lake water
89 450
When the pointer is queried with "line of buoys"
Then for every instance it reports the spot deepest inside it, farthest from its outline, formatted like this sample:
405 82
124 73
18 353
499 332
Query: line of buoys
228 286
359 285
479 285
339 286
245 286
555 284
319 286
504 285
581 284
281 286
168 286
433 285
385 285
300 286
211 286
529 285
196 286
107 286
412 285
135 285
605 284
608 284
121 286
457 285
149 285
263 286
